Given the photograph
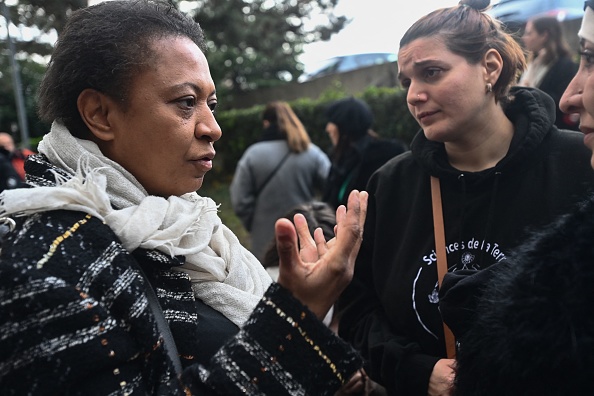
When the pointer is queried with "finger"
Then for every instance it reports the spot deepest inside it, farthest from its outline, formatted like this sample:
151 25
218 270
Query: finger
305 238
354 384
363 203
349 222
307 245
360 213
320 241
340 217
286 245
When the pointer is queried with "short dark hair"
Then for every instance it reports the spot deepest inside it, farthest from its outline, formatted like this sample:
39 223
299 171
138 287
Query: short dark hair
468 31
103 47
354 120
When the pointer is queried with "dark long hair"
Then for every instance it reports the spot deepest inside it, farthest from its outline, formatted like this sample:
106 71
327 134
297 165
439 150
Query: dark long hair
556 46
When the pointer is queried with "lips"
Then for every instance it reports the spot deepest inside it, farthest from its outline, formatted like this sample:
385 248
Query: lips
586 130
203 163
206 157
425 114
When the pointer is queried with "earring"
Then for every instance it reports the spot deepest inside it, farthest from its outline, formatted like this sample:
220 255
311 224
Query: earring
489 88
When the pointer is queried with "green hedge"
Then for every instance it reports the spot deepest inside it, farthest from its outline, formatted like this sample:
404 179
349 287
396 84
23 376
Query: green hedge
243 127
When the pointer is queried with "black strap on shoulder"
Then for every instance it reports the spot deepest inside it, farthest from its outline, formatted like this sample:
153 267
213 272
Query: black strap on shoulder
162 325
261 187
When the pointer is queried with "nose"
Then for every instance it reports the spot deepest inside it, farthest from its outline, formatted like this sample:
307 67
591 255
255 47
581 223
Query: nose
415 95
571 101
208 128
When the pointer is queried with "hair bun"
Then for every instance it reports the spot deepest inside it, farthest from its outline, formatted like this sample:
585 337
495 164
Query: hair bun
480 5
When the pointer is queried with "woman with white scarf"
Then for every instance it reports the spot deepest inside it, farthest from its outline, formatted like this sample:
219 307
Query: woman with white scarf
113 217
550 65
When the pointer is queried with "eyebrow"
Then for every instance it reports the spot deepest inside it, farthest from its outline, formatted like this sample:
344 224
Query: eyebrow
194 87
417 65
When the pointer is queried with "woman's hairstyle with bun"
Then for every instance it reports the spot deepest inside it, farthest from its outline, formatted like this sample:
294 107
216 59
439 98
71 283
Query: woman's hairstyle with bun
468 31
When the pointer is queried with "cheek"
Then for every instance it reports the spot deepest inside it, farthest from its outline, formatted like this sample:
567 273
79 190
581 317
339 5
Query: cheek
457 100
334 137
410 109
588 95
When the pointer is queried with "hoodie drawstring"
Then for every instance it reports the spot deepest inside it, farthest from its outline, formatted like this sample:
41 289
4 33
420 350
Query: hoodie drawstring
462 213
491 212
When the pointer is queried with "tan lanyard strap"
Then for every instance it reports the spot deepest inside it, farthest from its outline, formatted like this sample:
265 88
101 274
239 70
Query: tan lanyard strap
440 251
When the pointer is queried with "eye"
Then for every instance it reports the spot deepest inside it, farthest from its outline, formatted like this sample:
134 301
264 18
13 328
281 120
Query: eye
431 72
187 102
588 57
405 83
212 105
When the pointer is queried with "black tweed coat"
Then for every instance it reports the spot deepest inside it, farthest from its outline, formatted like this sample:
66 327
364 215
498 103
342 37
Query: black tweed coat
74 319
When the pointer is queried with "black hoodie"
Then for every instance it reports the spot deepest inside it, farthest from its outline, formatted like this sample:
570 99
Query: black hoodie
534 330
390 310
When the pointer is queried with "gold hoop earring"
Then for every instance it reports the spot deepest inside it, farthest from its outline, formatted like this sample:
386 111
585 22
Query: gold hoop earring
489 88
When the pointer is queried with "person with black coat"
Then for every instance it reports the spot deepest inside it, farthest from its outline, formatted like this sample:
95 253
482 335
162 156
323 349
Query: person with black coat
9 178
499 167
525 326
357 151
116 277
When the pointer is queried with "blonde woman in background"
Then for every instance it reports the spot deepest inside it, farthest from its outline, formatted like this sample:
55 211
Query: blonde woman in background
284 169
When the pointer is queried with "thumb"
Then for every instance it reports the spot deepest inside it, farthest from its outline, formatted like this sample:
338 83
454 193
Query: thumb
286 243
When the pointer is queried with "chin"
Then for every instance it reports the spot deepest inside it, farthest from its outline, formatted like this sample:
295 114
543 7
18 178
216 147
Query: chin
198 184
435 135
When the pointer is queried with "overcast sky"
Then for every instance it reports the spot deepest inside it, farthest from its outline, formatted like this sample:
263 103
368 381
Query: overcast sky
376 26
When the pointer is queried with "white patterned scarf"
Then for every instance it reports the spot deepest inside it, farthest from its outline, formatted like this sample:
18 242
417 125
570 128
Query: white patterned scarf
224 274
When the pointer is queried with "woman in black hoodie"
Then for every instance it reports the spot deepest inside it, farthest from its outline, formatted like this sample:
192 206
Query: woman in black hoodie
501 167
533 333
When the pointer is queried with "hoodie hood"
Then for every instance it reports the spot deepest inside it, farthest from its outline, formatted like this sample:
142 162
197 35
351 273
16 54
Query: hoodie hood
533 114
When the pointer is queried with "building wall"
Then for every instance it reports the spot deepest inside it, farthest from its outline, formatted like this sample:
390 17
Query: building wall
352 82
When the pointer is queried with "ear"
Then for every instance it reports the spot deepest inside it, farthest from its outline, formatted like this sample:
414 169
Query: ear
547 35
493 63
94 107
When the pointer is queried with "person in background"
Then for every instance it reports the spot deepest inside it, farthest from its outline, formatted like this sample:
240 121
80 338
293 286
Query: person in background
17 155
111 247
501 167
357 151
9 178
533 332
550 63
284 169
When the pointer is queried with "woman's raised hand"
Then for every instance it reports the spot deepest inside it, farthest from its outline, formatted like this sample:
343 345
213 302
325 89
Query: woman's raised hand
316 271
